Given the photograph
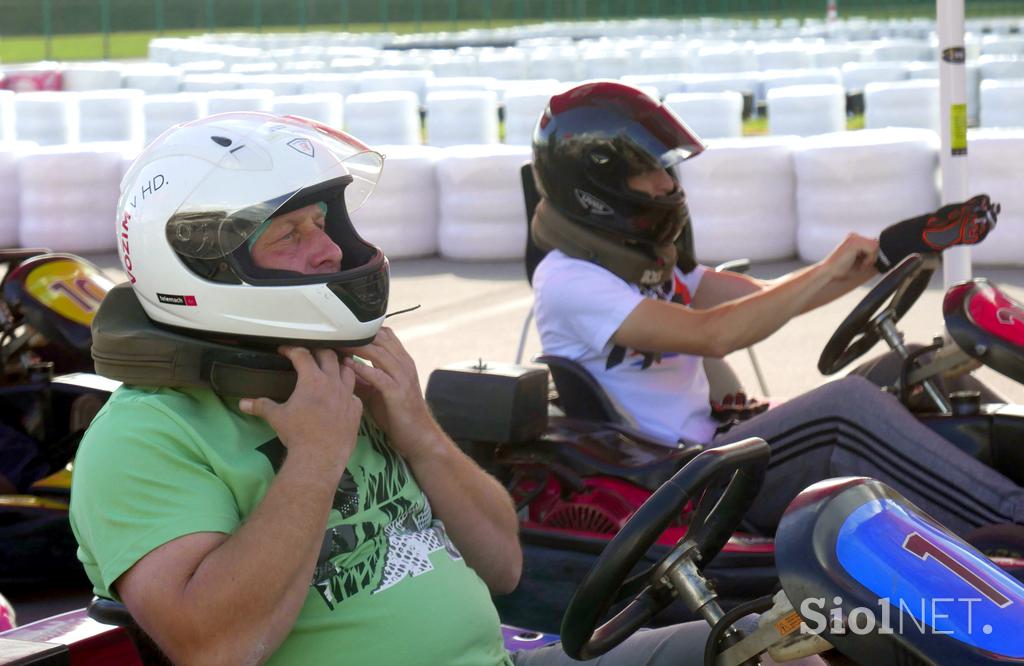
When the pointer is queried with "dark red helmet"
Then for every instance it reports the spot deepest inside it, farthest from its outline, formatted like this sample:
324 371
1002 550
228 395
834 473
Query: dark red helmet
591 139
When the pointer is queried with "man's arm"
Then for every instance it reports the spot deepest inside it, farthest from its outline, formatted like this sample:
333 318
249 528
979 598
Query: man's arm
224 599
734 324
476 510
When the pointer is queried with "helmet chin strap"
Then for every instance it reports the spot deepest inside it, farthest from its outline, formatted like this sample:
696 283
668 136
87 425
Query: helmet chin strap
550 230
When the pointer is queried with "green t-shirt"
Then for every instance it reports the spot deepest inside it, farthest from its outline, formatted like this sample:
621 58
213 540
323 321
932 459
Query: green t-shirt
389 587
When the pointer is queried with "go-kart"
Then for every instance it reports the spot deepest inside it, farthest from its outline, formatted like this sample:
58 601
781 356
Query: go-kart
578 470
47 398
863 575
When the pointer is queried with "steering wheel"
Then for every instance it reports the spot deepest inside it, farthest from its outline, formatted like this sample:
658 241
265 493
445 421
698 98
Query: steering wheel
742 466
856 334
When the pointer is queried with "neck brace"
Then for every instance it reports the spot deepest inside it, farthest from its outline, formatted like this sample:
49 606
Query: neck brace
550 230
127 346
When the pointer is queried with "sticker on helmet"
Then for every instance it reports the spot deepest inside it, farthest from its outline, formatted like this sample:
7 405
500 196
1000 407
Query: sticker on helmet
174 299
591 203
304 146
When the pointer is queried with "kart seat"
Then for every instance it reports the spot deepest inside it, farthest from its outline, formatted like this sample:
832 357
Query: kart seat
108 611
575 449
580 395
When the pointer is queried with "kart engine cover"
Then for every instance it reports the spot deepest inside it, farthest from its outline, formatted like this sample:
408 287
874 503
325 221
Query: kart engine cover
495 403
886 584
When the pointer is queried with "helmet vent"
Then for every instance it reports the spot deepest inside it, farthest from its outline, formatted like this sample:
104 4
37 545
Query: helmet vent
221 140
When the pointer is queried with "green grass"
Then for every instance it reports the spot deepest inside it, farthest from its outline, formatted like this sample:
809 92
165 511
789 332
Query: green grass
131 45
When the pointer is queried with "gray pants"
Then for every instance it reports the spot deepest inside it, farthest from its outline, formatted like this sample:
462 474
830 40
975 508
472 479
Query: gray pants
676 645
850 428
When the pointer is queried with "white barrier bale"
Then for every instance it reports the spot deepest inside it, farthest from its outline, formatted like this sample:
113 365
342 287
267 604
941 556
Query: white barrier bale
462 116
69 197
834 55
607 63
522 111
738 186
77 77
387 117
972 74
900 51
508 63
857 75
774 56
724 60
153 80
344 84
449 83
807 110
995 166
48 118
161 112
862 182
280 84
7 125
481 202
248 99
902 104
1002 103
209 82
787 77
712 115
9 195
1001 67
402 215
742 83
111 115
325 107
388 80
561 63
662 61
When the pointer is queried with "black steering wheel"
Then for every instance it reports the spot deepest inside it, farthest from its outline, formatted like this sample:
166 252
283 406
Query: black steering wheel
856 335
741 466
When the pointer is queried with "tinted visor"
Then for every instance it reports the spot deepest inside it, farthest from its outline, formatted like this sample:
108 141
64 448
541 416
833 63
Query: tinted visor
220 213
656 221
586 110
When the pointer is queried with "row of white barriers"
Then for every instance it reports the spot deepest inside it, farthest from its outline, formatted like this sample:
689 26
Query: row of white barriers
766 198
455 117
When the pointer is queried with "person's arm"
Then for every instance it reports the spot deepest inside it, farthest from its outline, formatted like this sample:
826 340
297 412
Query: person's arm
476 510
734 324
225 599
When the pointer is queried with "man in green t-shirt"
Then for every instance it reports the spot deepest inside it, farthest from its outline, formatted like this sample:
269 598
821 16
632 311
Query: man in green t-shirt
331 522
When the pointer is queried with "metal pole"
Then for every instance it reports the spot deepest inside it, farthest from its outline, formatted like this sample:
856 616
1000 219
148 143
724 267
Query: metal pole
158 9
105 27
257 15
48 29
418 15
209 15
344 15
302 15
453 11
956 261
384 15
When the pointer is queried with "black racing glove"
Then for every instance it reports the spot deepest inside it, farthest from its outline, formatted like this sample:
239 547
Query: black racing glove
964 223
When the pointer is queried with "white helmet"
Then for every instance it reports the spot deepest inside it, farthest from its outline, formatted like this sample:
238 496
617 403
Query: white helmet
198 192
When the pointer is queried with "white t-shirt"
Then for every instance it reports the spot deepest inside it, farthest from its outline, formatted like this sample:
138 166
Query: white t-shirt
578 306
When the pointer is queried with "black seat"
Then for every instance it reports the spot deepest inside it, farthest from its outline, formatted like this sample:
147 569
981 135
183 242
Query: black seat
108 611
580 395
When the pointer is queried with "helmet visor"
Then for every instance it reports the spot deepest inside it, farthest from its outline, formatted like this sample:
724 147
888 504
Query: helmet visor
284 157
640 120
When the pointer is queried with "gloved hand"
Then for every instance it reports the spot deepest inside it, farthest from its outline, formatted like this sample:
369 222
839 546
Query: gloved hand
964 223
736 407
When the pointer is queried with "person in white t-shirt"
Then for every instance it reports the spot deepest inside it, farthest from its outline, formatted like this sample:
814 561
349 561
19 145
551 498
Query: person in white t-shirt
620 292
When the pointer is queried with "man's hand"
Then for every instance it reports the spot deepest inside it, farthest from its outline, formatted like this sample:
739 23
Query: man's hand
390 387
321 417
853 259
963 223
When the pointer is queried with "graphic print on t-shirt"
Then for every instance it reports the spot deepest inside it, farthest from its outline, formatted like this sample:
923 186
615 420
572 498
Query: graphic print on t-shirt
675 292
383 531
